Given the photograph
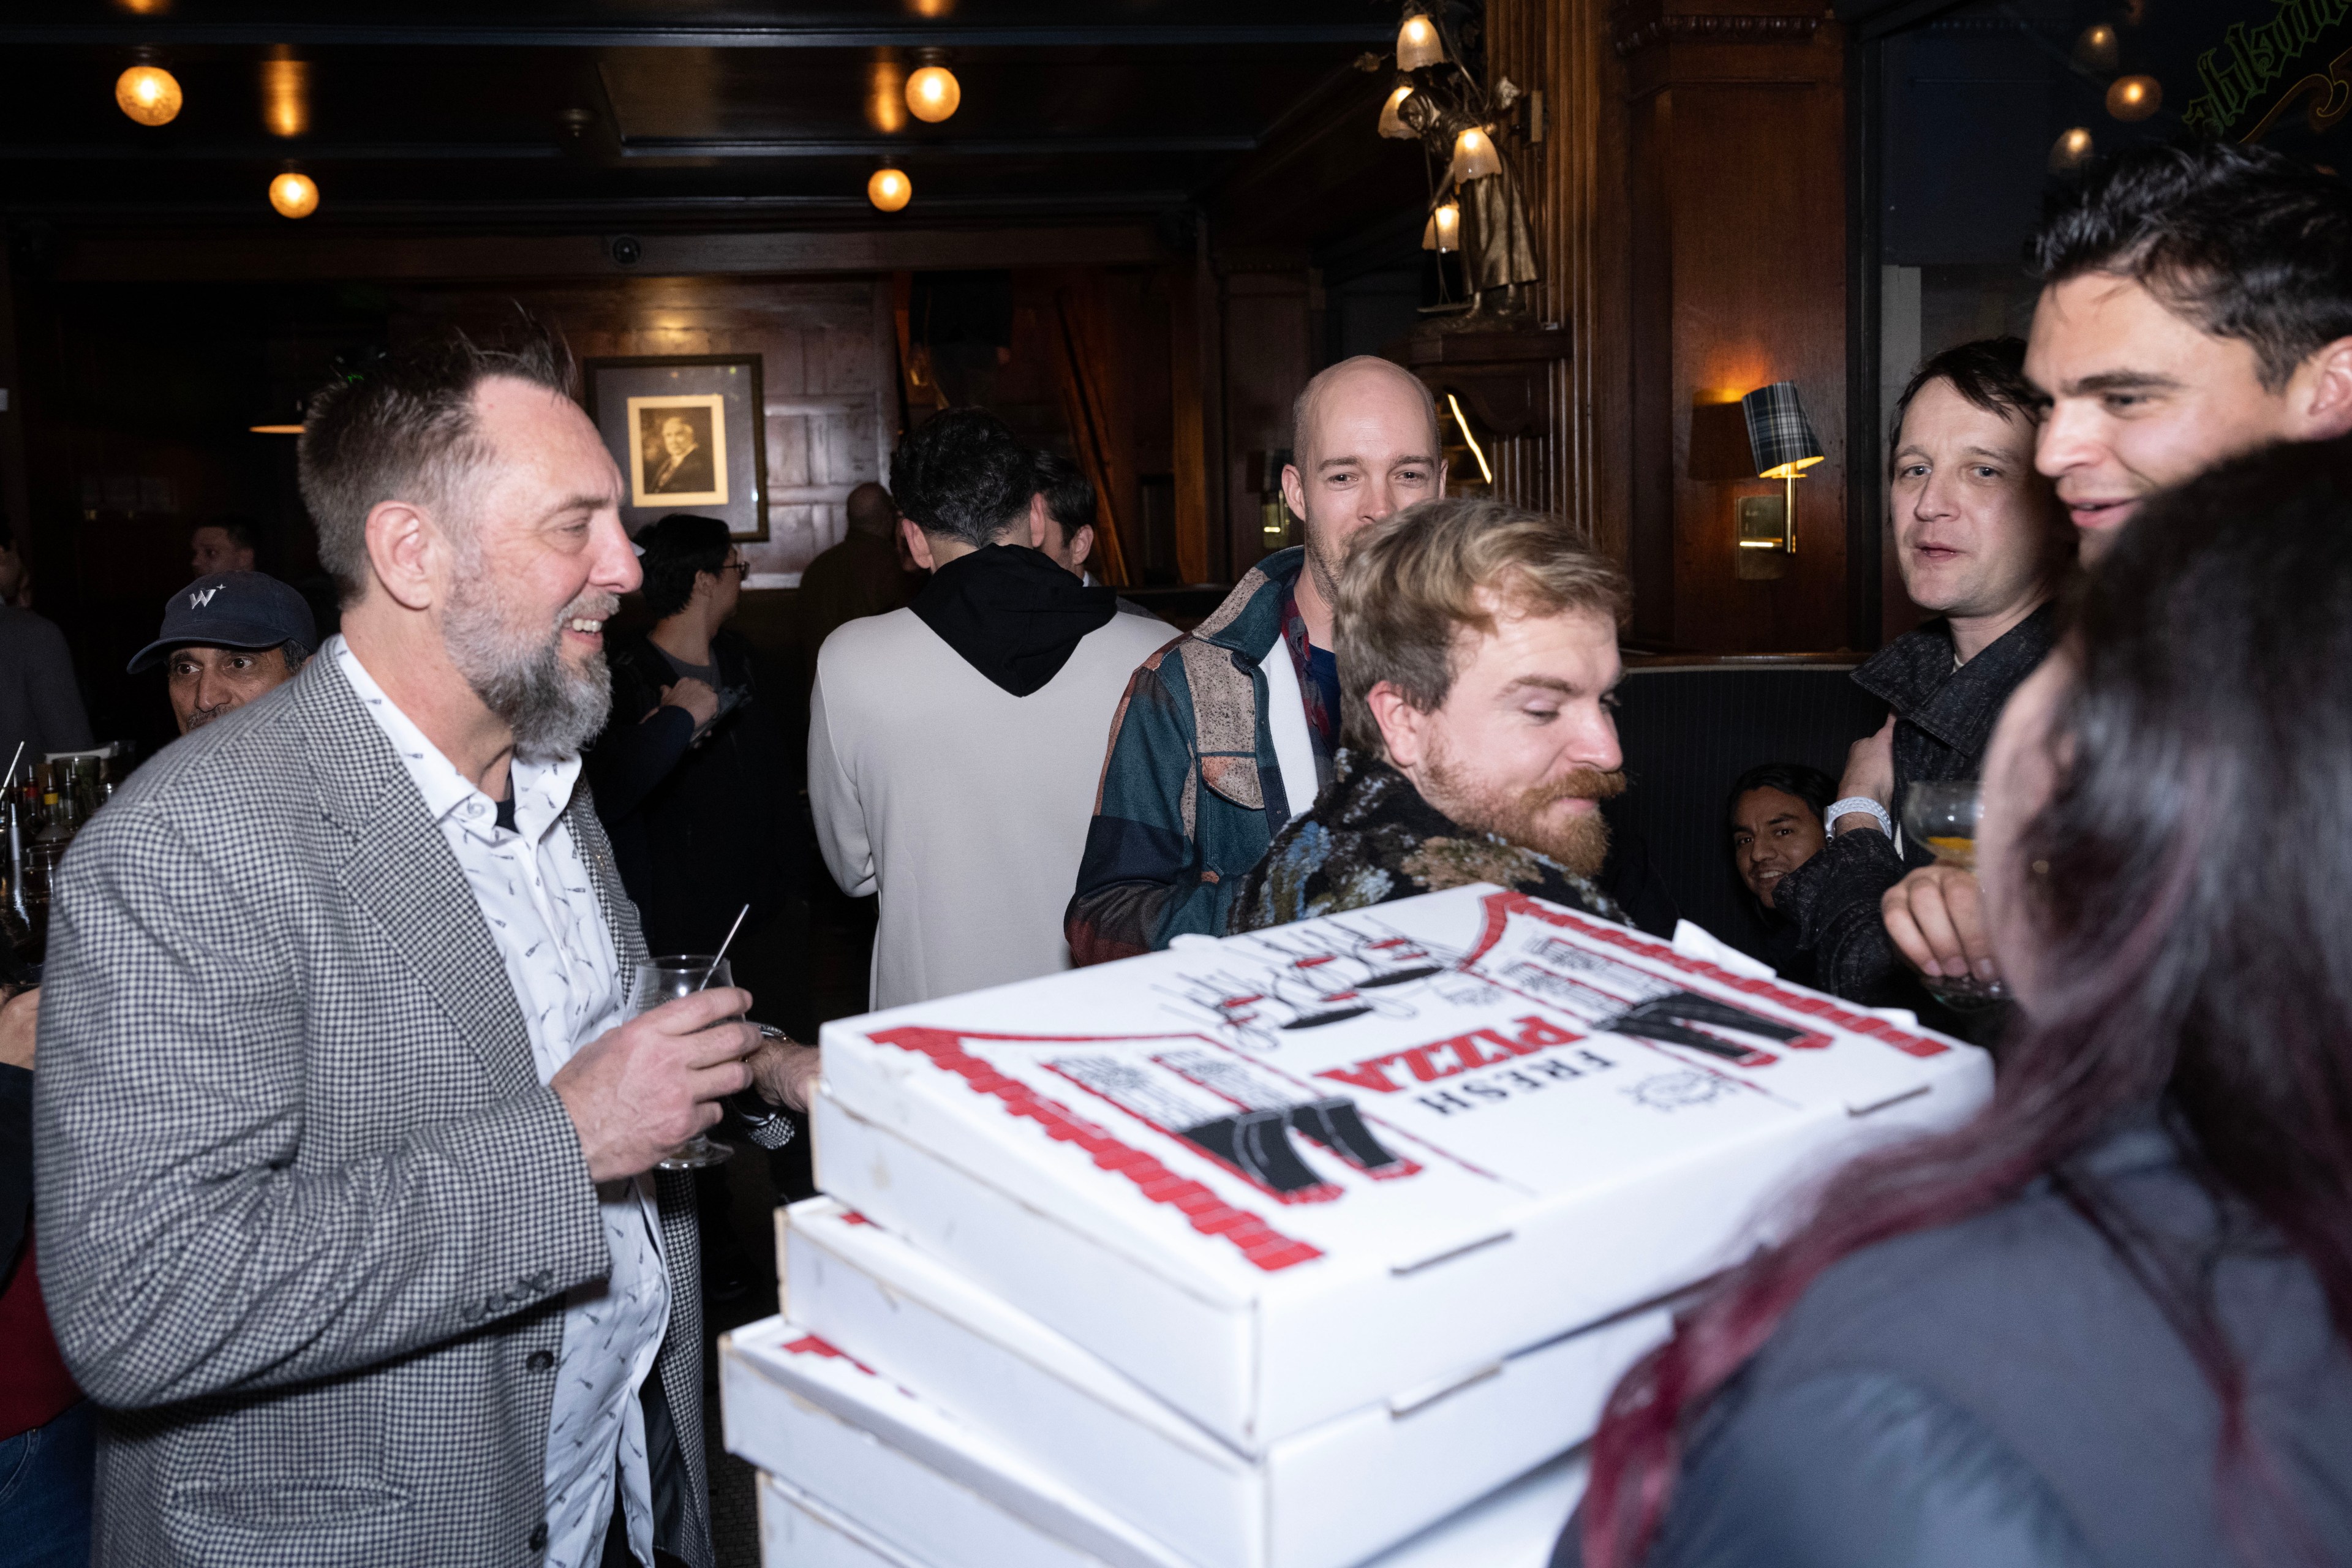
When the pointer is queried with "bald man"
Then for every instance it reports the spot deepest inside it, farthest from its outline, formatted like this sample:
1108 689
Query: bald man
1227 733
866 575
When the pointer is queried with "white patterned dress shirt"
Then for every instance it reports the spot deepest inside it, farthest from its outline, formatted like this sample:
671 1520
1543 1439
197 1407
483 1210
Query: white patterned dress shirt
542 912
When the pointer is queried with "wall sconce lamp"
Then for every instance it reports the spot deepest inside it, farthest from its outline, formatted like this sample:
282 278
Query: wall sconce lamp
1784 445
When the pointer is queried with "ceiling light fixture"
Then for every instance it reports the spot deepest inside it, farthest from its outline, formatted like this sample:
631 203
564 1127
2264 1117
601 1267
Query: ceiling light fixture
1474 156
149 94
1417 44
933 92
2135 97
886 95
889 189
1443 232
2071 151
286 96
294 195
1393 123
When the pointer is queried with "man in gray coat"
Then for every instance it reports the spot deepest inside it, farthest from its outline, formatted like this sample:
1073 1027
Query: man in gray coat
345 1134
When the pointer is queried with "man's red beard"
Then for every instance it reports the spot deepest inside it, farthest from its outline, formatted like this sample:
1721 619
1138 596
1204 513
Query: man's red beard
1577 843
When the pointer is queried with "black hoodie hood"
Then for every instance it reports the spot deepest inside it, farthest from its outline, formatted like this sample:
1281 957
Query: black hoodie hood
1012 613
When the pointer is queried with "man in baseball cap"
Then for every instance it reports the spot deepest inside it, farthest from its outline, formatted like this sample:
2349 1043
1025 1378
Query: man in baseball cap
227 638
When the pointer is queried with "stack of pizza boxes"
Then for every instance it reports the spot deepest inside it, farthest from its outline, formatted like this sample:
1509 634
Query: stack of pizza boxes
1288 1250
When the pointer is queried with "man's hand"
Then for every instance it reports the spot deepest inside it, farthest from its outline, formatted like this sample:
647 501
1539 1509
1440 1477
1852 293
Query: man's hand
785 1073
695 696
18 1014
640 1091
1869 771
1937 918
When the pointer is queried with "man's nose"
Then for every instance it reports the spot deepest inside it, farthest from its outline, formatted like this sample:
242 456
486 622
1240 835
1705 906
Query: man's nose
2066 441
616 568
1934 497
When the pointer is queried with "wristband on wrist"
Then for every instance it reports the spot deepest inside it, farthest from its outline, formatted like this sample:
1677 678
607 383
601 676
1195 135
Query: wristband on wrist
1862 804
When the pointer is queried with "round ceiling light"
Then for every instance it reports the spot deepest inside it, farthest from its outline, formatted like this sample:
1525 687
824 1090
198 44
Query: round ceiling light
889 189
933 93
149 94
293 195
2135 97
1417 44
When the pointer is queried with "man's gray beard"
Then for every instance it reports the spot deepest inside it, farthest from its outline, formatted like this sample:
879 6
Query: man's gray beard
553 709
1578 845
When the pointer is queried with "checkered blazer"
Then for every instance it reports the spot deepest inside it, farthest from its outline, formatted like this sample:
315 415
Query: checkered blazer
307 1213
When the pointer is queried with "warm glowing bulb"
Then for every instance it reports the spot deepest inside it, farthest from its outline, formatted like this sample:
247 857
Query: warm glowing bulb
148 94
285 97
889 189
2071 151
1474 157
2135 97
1417 44
932 93
1444 230
2095 50
1391 120
294 196
886 96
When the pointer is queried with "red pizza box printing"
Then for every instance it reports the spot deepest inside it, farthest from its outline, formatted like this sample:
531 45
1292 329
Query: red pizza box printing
1285 1175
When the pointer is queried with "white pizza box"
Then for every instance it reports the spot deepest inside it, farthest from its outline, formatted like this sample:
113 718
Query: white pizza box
1516 1527
840 1491
1324 1498
1283 1176
923 1483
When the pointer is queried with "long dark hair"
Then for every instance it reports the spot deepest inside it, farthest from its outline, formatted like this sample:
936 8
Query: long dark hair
2186 909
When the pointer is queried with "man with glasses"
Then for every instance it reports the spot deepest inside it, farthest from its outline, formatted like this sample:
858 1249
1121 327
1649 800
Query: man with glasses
693 775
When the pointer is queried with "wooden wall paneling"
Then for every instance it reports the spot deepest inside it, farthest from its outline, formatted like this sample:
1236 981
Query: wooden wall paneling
1268 357
15 493
1739 203
825 369
1188 384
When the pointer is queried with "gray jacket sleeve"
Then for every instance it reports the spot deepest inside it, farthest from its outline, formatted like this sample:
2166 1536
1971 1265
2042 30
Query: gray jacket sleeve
1834 899
1857 1470
187 1248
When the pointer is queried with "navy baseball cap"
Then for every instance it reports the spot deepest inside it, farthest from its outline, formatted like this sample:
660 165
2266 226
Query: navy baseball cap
232 609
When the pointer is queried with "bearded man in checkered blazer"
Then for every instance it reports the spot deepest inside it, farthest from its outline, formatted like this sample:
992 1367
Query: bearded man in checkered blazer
348 1214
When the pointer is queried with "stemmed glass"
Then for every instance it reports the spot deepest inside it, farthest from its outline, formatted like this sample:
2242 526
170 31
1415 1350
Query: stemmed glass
1942 815
665 979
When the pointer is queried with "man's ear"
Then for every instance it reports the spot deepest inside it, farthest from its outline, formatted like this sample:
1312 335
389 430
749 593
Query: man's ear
1039 522
407 553
919 545
1404 728
1082 544
1294 490
2327 403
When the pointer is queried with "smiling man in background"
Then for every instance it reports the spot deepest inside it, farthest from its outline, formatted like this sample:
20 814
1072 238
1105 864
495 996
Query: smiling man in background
1226 734
1981 544
2196 304
1477 650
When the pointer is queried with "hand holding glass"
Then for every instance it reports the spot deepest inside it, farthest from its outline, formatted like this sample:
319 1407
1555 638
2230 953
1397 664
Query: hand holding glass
664 979
1942 815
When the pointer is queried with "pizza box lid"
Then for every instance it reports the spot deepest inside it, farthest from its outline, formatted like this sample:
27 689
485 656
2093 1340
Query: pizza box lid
1281 1176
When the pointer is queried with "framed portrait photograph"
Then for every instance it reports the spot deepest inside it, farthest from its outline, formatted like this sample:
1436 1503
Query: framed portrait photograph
687 433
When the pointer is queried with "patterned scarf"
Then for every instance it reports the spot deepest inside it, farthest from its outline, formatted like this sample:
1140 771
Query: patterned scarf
1371 837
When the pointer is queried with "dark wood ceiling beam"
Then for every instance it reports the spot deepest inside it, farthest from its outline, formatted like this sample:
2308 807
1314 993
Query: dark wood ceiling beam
145 256
813 35
641 148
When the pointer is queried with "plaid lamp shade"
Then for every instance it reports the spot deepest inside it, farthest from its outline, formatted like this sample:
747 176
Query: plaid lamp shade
1778 431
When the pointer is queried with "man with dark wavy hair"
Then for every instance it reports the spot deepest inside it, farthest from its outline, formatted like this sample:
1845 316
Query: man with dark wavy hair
2196 303
954 745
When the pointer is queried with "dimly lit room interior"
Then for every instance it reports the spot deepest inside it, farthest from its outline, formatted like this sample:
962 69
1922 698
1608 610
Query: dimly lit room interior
1663 270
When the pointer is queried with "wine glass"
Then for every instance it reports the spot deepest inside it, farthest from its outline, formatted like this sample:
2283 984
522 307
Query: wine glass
1942 815
665 979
